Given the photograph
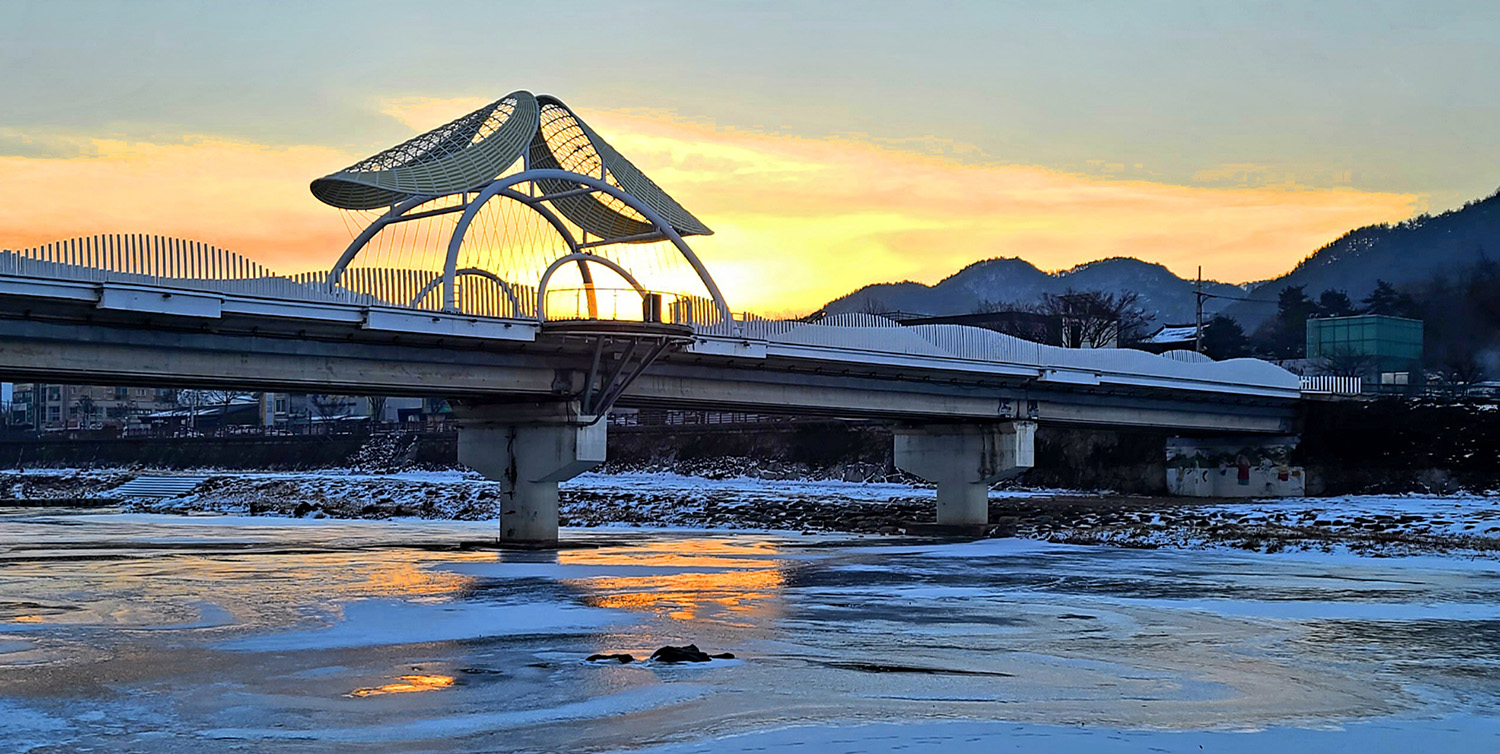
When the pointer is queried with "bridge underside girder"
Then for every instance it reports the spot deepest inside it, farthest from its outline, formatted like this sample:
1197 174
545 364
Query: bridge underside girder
517 401
362 364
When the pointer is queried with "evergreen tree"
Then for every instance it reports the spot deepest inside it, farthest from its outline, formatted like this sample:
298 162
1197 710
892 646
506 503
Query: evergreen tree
1285 335
1223 338
1333 303
1385 299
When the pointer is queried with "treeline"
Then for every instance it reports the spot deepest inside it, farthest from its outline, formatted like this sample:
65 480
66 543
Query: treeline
1460 312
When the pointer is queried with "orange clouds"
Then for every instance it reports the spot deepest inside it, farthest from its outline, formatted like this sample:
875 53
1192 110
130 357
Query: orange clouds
798 220
245 197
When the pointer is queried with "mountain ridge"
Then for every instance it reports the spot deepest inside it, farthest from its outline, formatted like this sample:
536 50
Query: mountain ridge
1405 253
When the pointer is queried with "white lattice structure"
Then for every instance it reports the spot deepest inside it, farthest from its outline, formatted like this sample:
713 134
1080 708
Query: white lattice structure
513 197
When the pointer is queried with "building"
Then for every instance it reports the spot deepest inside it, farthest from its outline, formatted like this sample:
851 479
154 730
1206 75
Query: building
1386 352
1171 338
45 406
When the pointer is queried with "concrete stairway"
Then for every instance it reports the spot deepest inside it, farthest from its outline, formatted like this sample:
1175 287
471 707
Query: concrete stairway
157 487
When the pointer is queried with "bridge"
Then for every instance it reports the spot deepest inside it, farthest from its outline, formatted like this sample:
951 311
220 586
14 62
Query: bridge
517 264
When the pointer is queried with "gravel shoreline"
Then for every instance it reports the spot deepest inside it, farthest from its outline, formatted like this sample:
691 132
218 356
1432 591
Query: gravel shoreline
1374 525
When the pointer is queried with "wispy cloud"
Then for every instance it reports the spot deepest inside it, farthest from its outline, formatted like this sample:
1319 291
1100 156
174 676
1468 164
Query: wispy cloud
798 220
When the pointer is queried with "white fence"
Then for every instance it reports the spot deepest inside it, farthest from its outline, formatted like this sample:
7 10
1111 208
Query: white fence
175 263
1327 384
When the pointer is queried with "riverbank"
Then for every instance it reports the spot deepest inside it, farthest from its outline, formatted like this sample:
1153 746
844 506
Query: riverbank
1368 524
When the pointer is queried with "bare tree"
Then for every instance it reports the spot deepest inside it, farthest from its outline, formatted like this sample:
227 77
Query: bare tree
873 305
84 408
377 408
1461 373
1345 362
222 399
331 406
1096 319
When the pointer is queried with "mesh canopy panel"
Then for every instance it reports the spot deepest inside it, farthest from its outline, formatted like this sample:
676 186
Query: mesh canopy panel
473 150
457 156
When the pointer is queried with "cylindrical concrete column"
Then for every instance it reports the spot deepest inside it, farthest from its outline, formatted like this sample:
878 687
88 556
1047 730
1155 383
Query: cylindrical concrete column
964 459
528 515
962 503
528 449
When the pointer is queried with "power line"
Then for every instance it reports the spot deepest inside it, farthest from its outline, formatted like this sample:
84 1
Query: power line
1239 298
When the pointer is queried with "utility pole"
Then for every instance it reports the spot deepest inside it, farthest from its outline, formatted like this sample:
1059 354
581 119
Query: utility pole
1198 332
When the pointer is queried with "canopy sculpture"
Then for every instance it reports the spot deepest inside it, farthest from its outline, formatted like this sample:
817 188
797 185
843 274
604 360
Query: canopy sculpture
584 190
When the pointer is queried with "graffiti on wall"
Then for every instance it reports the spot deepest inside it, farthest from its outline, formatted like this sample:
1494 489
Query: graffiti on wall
1233 467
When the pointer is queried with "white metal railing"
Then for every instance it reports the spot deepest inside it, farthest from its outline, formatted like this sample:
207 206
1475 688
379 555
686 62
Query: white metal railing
1327 384
165 262
627 305
480 296
156 261
175 263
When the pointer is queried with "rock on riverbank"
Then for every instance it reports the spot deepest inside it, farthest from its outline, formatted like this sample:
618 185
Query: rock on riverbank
1393 524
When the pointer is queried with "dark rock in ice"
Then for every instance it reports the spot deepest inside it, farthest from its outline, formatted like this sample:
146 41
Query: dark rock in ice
689 653
622 658
481 671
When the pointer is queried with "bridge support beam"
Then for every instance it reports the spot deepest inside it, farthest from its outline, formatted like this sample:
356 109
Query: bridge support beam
964 460
528 449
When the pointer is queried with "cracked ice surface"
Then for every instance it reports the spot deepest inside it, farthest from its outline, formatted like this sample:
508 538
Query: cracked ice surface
131 632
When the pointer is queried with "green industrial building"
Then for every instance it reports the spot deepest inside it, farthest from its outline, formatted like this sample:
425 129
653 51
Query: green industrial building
1385 351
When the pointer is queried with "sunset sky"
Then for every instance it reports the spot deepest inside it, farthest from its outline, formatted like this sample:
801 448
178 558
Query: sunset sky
829 144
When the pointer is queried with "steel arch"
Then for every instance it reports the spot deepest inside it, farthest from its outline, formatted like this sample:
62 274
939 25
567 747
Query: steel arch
510 292
499 185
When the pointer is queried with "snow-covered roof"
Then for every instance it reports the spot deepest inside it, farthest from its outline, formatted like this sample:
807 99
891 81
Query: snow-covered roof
1173 334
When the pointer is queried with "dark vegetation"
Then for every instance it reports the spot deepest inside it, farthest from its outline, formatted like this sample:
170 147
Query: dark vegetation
1394 445
1460 313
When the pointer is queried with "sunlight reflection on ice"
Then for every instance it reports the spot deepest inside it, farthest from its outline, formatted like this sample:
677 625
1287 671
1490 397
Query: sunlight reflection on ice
407 684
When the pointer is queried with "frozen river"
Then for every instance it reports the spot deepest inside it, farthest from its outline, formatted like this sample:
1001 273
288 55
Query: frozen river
204 633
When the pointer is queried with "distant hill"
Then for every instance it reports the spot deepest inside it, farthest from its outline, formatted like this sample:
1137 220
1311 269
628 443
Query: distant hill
1408 252
1166 297
1405 253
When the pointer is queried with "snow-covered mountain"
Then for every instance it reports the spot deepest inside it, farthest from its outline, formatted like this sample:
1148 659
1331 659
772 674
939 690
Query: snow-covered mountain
1404 254
1165 296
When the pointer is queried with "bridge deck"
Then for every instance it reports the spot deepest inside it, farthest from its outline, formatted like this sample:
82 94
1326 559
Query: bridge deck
114 333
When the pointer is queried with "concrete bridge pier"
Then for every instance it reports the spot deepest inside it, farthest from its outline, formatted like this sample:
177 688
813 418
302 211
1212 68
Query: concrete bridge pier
964 459
529 448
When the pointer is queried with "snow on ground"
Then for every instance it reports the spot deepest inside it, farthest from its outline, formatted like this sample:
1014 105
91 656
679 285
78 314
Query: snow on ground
1458 515
1379 524
752 488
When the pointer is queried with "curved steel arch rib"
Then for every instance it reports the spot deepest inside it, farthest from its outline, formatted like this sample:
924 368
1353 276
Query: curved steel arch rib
455 243
394 214
580 177
581 257
398 212
510 291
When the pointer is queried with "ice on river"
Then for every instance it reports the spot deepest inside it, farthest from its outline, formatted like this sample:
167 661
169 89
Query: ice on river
134 632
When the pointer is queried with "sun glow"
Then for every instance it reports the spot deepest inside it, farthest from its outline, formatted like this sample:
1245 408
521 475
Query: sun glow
797 220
